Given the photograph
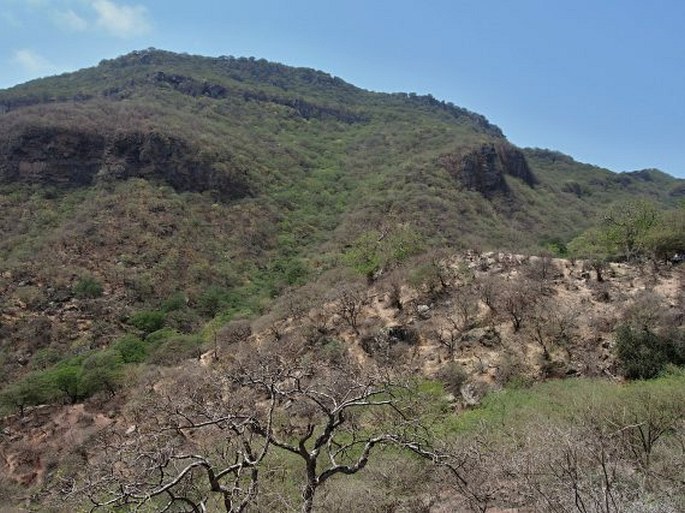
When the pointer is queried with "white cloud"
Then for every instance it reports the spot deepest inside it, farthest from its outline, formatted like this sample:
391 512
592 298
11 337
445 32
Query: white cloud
32 62
121 20
69 20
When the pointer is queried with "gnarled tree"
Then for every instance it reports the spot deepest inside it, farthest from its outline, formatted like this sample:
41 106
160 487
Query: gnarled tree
215 444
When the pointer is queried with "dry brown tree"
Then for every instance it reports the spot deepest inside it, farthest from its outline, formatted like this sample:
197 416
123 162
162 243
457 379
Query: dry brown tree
215 434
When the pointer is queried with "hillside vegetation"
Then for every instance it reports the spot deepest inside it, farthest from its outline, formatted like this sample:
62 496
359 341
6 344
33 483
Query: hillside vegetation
217 182
473 370
247 237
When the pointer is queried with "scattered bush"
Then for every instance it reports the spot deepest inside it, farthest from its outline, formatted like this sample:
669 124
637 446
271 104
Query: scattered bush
88 288
177 349
131 349
453 377
513 371
148 321
33 297
212 301
45 357
175 302
332 351
643 354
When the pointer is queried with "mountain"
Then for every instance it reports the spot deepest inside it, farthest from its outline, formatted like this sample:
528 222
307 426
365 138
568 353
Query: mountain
162 207
203 186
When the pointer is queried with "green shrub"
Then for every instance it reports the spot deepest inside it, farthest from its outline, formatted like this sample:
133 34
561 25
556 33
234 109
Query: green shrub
131 349
148 321
556 246
643 354
286 271
102 371
374 250
364 255
174 302
184 320
88 288
212 300
67 379
31 390
159 336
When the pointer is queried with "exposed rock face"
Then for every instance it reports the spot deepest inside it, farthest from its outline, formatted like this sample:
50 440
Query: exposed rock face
157 156
191 86
307 110
51 156
482 169
71 158
514 163
300 107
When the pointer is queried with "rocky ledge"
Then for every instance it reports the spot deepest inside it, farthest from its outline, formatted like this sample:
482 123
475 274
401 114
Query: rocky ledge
69 157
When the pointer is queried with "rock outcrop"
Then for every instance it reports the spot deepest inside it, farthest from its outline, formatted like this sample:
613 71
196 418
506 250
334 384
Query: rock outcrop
483 168
51 156
189 85
300 107
69 157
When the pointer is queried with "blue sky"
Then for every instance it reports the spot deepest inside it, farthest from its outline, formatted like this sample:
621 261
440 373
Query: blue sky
601 80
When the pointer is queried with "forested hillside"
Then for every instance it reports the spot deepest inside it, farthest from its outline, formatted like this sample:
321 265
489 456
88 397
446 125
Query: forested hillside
183 225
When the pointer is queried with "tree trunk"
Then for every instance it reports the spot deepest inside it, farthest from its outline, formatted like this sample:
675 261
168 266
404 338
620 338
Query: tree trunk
308 496
312 482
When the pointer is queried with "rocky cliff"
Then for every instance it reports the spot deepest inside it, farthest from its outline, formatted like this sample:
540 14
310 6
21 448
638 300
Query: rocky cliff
483 168
70 157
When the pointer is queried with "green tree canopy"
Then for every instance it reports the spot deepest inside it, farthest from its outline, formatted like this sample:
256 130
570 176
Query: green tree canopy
630 230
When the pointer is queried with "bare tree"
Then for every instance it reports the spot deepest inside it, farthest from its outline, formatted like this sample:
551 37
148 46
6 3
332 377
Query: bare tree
179 454
325 445
466 306
488 287
542 268
552 324
452 327
599 265
393 286
647 311
234 332
449 335
351 299
602 464
641 427
471 469
444 271
215 444
272 323
516 299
